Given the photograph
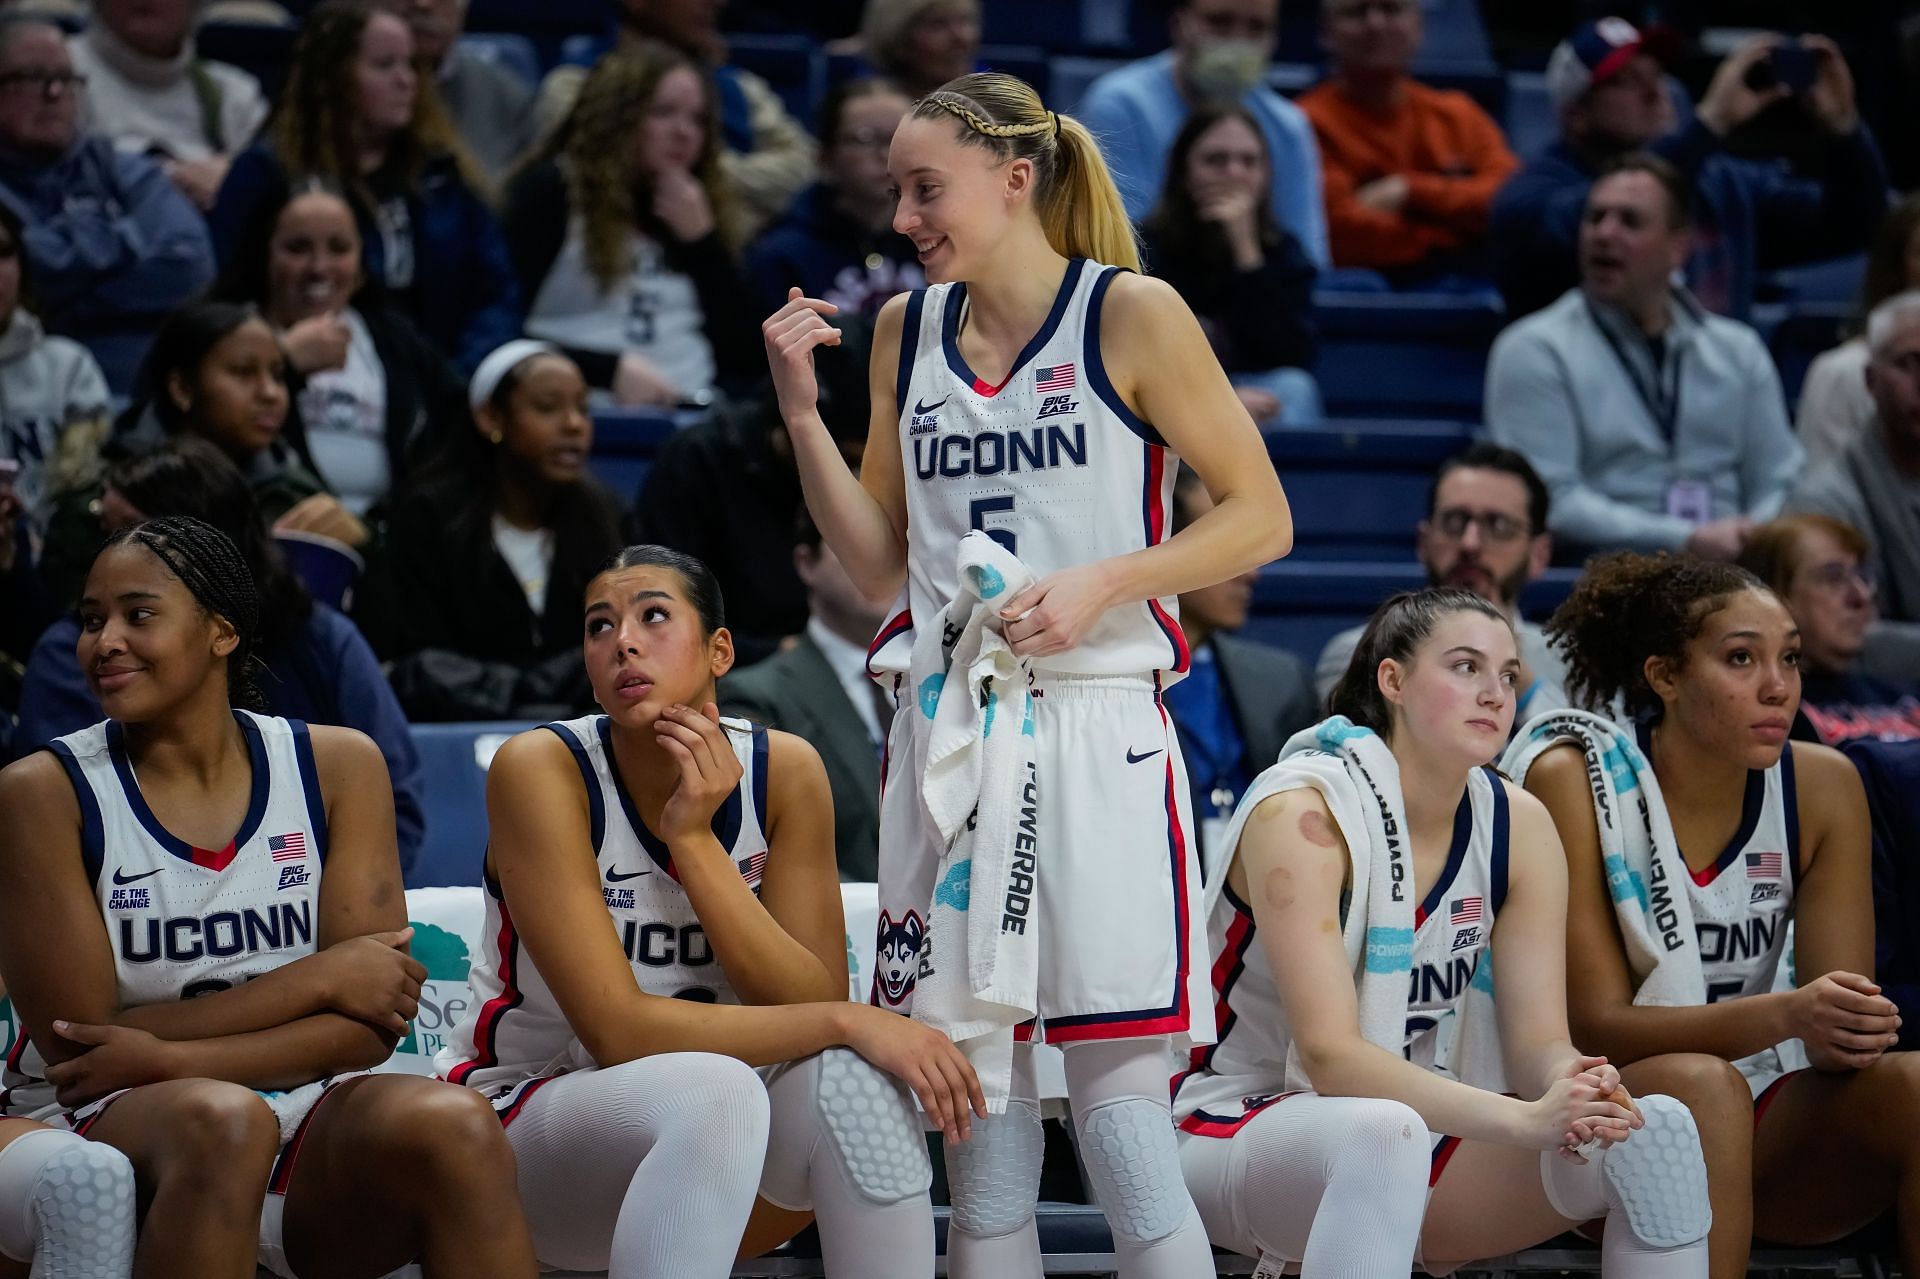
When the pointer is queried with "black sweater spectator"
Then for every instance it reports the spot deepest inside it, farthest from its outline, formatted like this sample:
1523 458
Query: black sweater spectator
1215 240
477 599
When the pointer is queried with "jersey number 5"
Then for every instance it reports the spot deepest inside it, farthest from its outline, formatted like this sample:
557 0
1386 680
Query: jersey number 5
977 518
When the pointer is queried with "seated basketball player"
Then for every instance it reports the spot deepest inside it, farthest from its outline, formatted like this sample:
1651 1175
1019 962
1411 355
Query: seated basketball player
619 1056
1386 929
202 925
1676 950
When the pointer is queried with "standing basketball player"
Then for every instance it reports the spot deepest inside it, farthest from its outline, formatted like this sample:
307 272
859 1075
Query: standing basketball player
1396 1143
202 924
1706 661
619 1055
1041 392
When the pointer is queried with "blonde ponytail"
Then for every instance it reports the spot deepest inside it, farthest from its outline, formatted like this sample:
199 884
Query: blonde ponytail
1075 197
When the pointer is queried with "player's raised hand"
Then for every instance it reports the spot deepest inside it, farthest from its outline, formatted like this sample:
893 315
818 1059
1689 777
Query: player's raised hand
791 334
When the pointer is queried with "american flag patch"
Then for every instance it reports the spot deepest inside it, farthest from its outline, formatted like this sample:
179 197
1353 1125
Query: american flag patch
751 869
1465 910
1056 377
1766 865
287 848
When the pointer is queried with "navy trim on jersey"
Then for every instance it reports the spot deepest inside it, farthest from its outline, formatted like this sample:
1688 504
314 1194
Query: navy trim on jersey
1097 378
93 831
760 748
950 331
596 803
310 782
1156 522
1502 829
1752 802
261 783
726 818
1456 854
909 349
1790 810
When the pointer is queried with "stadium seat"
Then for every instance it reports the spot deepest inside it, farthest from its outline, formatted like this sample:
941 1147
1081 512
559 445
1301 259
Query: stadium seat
261 49
514 52
1455 33
1420 354
624 443
546 24
1301 604
1358 488
1834 282
792 66
1531 123
453 776
1803 334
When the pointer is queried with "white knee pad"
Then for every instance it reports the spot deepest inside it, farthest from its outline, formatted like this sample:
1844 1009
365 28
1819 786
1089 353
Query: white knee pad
994 1175
1134 1164
69 1199
1655 1182
872 1124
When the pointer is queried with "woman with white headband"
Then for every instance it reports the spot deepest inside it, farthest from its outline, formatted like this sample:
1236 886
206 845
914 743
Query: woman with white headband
476 600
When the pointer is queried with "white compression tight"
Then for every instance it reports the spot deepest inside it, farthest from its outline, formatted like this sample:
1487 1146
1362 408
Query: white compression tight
646 1170
847 1143
1652 1190
1121 1116
66 1205
1337 1184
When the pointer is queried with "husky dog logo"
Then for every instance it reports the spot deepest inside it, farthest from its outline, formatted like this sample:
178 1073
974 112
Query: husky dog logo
896 959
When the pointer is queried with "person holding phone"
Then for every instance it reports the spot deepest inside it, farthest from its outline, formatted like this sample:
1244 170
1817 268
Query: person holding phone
1611 96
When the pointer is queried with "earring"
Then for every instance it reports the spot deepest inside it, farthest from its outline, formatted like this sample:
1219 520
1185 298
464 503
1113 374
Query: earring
496 436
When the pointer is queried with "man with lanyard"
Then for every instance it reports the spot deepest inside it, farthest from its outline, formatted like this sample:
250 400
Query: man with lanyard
1655 424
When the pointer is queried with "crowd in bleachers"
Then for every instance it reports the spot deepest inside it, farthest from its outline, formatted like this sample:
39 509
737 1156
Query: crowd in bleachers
302 260
283 267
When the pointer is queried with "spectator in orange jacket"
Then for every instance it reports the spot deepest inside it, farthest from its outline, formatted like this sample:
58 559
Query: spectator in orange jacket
1409 171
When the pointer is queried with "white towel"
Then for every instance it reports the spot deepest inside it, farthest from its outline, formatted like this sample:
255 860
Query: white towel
1646 876
1358 777
979 784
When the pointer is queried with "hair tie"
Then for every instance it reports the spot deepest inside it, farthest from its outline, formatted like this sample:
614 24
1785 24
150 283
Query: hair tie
1055 117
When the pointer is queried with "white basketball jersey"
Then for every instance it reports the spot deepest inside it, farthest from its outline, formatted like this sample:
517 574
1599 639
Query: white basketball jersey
1743 900
1051 463
1228 1081
186 921
516 1030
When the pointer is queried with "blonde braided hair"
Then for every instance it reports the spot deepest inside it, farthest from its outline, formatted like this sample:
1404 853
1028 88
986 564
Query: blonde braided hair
1074 194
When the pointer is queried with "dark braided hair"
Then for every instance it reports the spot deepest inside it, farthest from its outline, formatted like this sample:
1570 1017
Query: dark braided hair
210 566
1396 628
1629 607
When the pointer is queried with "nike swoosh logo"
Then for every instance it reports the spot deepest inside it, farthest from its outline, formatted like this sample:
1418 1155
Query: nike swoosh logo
615 877
921 407
1135 759
119 878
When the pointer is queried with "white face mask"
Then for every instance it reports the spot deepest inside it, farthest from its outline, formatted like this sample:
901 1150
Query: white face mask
1224 70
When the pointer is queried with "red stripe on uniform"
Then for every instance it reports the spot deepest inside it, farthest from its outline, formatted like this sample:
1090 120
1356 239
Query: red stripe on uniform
488 1024
897 624
512 1112
216 859
1157 533
283 1166
1769 1095
1441 1155
1226 971
1203 1125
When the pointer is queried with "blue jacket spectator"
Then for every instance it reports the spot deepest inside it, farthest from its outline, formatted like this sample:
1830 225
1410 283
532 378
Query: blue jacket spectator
316 666
112 244
1220 51
837 242
428 238
1752 216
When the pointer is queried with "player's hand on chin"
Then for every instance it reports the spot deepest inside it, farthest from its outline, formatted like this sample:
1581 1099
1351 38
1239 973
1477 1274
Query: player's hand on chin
115 1057
1056 613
